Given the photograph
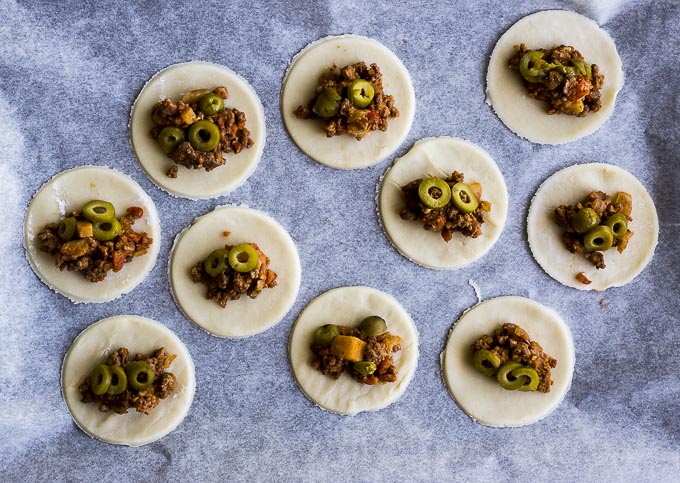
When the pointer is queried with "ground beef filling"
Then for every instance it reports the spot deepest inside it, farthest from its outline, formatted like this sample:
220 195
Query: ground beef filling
234 136
93 258
447 219
605 207
512 343
230 284
163 386
349 119
563 84
378 349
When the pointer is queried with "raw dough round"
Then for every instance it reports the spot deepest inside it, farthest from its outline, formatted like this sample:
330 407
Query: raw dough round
527 117
348 306
440 157
70 190
243 317
172 83
482 398
571 185
139 335
344 151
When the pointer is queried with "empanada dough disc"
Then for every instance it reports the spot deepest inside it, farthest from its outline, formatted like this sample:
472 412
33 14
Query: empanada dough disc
138 335
527 117
345 152
571 185
440 157
243 317
70 190
482 398
349 306
172 83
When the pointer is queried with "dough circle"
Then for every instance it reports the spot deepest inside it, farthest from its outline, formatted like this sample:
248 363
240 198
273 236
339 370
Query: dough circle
172 82
243 317
139 335
482 398
571 185
344 151
440 157
70 190
527 117
348 306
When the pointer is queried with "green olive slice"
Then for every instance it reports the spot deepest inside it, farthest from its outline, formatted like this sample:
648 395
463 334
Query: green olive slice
434 192
118 380
204 135
324 335
373 325
361 93
599 239
618 224
531 378
98 210
106 230
464 198
216 263
506 379
243 258
140 375
486 362
67 228
210 104
532 66
365 367
100 379
169 138
566 70
327 103
582 67
585 220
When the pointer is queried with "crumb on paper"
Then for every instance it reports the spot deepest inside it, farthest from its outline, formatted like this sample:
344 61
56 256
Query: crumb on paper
581 277
226 233
478 292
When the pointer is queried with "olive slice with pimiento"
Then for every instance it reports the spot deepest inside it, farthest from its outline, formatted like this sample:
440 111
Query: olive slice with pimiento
618 224
169 138
464 198
67 228
532 66
361 93
140 375
365 367
98 210
106 230
373 326
118 380
100 380
216 263
210 104
243 258
327 103
507 380
531 381
486 362
324 335
599 239
585 220
434 192
204 135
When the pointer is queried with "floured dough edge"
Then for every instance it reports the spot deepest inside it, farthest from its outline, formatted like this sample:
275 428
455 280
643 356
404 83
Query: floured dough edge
490 404
201 184
279 303
106 427
348 306
72 284
527 117
345 152
426 248
570 185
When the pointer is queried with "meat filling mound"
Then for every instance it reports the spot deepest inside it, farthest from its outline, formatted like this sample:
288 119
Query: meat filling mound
347 105
561 77
93 258
142 400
